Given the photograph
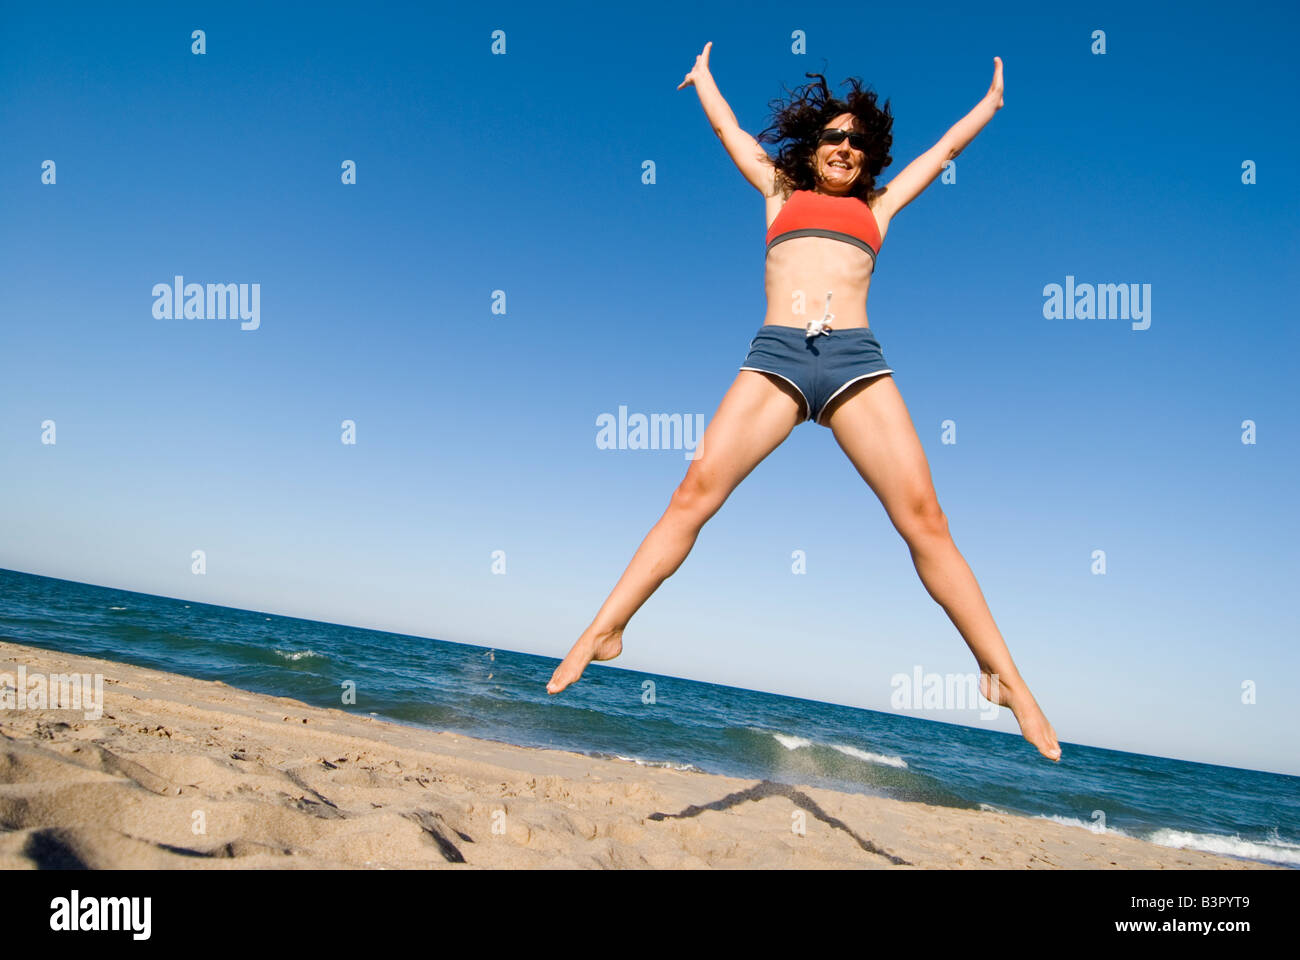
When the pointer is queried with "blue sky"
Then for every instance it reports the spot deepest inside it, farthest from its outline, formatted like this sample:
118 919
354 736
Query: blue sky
476 431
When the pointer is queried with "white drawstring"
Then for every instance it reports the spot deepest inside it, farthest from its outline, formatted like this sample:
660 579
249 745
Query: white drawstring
816 327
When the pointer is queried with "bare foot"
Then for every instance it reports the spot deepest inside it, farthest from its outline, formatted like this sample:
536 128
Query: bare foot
590 646
1033 722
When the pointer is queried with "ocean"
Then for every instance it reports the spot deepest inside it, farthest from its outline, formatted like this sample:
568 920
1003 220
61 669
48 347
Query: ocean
497 694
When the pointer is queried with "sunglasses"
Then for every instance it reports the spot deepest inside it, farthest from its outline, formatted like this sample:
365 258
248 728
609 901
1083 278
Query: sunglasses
858 141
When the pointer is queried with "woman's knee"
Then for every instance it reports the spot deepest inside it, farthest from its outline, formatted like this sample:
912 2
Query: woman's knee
699 495
922 519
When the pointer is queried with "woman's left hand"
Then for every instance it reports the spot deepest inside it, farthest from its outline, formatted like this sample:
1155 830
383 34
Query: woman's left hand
995 88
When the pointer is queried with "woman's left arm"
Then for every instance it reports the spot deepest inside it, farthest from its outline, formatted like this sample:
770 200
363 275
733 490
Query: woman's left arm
920 173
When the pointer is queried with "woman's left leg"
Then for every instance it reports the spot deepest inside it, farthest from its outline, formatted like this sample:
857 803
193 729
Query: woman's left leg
872 426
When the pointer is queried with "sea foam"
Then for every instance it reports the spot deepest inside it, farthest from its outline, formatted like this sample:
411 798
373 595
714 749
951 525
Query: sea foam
1267 851
792 742
296 654
870 757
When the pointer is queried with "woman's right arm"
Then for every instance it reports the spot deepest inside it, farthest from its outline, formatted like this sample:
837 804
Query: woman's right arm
746 152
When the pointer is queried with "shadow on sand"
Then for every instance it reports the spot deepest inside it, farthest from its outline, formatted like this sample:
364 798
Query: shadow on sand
767 788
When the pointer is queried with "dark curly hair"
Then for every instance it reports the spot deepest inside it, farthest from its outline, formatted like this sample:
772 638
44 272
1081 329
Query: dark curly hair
800 121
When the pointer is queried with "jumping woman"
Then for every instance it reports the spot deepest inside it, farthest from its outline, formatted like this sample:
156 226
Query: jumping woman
826 221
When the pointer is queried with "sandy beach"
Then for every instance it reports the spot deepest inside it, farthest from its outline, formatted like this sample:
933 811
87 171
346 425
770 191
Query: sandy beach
185 773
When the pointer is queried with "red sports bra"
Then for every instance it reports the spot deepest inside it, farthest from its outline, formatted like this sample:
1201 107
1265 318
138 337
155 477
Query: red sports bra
811 214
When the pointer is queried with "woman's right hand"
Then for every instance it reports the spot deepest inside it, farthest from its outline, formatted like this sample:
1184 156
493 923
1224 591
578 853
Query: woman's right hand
701 68
995 88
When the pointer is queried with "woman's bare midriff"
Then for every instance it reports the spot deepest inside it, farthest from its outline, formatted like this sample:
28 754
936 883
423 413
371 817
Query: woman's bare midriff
800 271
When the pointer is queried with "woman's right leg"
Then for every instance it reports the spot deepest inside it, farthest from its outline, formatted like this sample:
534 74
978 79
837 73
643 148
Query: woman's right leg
756 415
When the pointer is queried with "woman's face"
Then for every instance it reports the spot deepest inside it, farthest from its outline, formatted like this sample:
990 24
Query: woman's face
836 166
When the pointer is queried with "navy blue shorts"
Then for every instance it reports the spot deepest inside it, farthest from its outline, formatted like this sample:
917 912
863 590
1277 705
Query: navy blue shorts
820 367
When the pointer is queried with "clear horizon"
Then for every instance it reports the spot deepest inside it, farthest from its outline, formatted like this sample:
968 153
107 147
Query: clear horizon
615 665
